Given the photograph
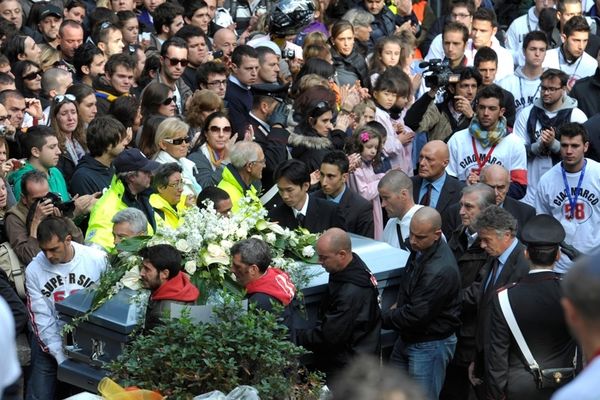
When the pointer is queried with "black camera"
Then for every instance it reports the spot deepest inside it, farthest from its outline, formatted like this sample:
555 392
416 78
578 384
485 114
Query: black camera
441 73
288 54
66 207
217 54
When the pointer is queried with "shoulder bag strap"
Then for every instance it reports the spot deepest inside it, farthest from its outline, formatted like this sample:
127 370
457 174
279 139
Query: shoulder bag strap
514 328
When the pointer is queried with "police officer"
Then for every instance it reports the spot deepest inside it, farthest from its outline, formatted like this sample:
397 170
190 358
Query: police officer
535 303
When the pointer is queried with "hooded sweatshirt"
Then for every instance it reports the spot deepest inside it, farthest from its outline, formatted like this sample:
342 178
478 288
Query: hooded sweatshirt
274 283
524 89
178 288
538 160
90 176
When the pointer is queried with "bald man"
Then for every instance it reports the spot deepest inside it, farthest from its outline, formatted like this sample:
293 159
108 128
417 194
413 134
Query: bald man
225 41
498 178
426 313
349 320
433 187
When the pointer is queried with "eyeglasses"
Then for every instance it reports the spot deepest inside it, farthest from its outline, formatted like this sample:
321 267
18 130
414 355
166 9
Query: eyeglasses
217 83
263 162
549 89
169 100
217 129
60 98
32 75
176 185
175 61
177 142
456 16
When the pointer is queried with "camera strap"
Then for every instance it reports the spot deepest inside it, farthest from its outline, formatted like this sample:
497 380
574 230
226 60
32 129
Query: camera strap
480 163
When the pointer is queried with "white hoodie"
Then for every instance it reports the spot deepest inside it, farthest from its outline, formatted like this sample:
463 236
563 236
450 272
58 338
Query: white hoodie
48 283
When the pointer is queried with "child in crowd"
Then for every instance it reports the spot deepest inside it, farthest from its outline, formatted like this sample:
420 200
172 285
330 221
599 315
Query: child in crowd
398 143
363 180
364 112
386 54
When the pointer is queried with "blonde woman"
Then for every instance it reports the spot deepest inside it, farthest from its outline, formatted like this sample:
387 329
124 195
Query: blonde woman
172 138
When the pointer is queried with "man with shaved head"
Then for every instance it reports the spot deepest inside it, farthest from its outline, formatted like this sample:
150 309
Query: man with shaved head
498 178
433 187
349 315
426 313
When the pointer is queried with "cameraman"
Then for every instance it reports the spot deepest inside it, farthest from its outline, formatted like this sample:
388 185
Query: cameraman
453 114
23 219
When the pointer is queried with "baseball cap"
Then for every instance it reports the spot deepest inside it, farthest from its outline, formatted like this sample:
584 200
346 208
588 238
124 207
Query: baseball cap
134 160
48 10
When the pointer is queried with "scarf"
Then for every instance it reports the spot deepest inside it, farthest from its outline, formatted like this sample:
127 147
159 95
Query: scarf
538 114
490 137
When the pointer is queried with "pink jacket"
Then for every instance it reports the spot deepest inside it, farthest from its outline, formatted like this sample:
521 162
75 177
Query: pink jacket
364 181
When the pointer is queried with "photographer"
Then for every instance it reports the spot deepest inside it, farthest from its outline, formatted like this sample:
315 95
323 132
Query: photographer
35 205
441 120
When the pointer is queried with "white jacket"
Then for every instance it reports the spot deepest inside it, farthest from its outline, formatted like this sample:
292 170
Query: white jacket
48 283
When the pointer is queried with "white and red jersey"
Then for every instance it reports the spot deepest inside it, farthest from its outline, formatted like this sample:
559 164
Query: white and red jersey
49 283
581 224
467 154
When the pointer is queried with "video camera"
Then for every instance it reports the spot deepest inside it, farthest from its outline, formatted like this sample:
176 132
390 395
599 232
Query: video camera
441 73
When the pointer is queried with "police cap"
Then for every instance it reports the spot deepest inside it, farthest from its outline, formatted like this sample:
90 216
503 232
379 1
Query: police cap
542 230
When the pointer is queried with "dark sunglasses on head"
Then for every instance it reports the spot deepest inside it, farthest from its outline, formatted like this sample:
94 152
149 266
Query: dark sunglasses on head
169 100
217 129
32 75
320 108
175 61
61 98
179 141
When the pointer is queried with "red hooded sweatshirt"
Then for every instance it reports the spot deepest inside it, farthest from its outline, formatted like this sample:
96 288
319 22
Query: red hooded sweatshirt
275 283
178 288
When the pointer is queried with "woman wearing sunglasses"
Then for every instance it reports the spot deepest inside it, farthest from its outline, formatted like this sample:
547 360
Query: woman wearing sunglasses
157 101
316 134
172 138
68 127
28 79
213 154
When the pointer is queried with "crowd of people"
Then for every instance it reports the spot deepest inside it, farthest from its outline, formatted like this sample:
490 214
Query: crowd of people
440 128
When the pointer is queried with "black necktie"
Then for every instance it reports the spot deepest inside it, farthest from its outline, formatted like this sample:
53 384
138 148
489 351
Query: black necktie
492 278
300 219
400 238
427 196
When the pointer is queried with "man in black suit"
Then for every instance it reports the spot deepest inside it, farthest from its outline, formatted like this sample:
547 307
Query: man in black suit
357 211
295 208
268 119
496 229
498 178
238 95
535 304
433 187
470 258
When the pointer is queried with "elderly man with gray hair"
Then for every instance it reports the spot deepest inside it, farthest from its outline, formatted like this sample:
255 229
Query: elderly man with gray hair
496 230
128 223
242 175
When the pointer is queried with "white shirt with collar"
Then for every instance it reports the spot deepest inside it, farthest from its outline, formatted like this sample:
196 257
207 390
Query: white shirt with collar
390 234
303 209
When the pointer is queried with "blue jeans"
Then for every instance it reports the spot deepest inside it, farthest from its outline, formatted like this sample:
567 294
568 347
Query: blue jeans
42 381
425 362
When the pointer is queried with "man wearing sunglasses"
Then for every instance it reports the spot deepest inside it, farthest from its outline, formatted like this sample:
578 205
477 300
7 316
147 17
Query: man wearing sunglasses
173 60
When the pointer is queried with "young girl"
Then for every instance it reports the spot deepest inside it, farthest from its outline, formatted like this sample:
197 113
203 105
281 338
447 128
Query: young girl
363 180
386 54
398 144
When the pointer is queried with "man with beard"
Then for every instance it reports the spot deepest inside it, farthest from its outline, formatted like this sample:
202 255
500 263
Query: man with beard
487 141
173 60
538 123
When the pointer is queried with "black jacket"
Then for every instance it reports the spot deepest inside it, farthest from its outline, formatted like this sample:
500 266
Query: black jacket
592 126
585 92
351 68
105 95
90 176
470 260
274 146
357 212
239 104
309 147
535 301
320 215
349 319
451 194
428 304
